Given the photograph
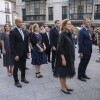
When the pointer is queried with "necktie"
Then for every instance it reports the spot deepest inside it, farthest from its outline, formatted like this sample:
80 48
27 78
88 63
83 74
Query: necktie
21 32
89 34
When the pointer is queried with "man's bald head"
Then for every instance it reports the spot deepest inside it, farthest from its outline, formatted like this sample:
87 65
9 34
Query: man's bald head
18 22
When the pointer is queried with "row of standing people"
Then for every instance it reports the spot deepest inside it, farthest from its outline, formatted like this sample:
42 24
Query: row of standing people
61 45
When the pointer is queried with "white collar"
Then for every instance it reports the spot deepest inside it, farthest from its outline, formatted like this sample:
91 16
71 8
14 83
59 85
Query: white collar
85 28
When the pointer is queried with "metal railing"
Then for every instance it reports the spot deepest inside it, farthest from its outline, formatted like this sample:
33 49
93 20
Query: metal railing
34 18
80 16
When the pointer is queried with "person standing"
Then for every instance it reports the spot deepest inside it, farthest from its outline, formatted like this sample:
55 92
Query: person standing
64 67
28 35
7 56
54 35
38 54
47 42
0 44
19 49
85 49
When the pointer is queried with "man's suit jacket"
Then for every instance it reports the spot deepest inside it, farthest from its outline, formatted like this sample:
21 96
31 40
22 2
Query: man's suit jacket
85 41
54 36
19 47
46 40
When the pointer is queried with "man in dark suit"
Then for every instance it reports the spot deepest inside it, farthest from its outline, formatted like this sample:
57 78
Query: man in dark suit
19 49
27 32
85 49
54 36
46 37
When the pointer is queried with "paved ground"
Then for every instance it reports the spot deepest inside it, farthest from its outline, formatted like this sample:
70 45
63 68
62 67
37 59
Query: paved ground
47 88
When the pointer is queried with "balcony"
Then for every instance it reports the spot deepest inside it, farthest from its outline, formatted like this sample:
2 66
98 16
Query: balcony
34 18
7 10
80 16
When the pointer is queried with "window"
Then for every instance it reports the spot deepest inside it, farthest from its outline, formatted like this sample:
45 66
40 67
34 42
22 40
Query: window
36 7
80 9
97 12
64 12
50 13
8 19
24 14
35 10
7 9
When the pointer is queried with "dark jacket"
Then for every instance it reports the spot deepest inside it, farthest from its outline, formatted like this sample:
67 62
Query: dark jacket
46 40
19 47
66 48
54 35
85 41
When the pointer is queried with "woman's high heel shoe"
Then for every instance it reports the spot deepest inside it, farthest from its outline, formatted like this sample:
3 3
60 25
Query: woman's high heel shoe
66 92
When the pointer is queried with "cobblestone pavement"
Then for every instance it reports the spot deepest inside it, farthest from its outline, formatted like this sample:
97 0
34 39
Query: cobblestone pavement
48 87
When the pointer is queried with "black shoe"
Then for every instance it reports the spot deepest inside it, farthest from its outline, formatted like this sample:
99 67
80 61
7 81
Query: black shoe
38 75
17 84
71 90
25 81
81 79
86 77
65 92
27 68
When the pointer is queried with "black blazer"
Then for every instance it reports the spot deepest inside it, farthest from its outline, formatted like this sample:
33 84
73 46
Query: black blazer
46 40
19 47
54 36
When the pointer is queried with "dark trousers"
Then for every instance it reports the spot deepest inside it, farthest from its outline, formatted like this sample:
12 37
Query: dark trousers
21 65
48 54
53 59
83 65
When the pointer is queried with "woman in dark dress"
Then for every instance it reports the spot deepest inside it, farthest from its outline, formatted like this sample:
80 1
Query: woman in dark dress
7 57
38 54
64 67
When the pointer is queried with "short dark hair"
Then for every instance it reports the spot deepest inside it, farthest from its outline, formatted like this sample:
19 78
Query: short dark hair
56 21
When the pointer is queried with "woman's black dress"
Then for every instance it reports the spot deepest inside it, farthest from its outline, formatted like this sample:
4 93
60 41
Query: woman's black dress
65 47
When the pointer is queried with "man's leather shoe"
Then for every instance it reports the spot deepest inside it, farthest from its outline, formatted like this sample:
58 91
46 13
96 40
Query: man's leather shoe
17 84
86 77
81 79
25 81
